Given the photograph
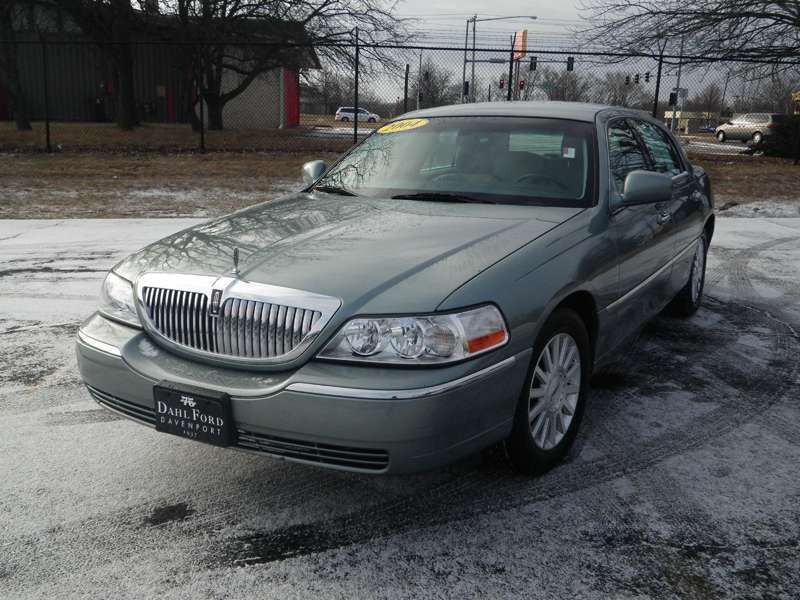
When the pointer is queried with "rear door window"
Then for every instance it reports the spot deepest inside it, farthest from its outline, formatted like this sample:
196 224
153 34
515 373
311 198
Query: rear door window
624 152
664 155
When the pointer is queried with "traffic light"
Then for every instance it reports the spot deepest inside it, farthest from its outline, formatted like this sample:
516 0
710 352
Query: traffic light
570 63
636 79
647 77
627 79
533 63
673 98
502 83
522 84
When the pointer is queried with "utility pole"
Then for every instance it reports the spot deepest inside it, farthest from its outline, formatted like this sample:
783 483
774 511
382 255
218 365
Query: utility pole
678 87
464 73
472 77
724 93
419 79
511 66
658 84
405 90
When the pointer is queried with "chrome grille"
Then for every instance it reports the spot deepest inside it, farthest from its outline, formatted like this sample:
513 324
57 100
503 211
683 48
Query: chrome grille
243 328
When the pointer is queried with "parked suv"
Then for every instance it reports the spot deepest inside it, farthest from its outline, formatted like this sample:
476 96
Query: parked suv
750 126
346 113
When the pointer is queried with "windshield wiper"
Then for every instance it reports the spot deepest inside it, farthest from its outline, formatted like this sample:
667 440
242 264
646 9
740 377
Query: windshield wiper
442 197
332 189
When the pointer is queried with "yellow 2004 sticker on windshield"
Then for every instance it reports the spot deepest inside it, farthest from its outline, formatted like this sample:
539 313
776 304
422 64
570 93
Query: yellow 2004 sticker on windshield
403 125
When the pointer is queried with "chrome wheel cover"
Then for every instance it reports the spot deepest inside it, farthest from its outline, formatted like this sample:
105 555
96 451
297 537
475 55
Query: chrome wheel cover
554 392
698 266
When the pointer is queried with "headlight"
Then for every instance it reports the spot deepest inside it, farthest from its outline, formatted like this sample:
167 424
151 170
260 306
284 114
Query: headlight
117 300
432 339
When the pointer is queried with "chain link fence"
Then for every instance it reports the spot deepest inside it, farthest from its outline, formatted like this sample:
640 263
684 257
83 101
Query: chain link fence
256 97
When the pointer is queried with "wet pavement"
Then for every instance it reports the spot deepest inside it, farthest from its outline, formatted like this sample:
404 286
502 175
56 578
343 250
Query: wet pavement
683 484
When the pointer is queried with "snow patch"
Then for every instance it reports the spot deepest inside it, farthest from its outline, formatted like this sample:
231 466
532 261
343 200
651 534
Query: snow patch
769 208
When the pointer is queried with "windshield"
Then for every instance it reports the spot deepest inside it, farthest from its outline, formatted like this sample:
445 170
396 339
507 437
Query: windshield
493 159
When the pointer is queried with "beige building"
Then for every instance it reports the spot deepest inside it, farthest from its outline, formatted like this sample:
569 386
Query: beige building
692 121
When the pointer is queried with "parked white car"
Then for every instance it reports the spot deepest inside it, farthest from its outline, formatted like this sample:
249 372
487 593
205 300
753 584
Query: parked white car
347 113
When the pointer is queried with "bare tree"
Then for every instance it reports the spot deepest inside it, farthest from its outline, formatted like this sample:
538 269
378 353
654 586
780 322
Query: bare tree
617 89
112 24
757 29
565 85
436 85
231 43
9 67
708 100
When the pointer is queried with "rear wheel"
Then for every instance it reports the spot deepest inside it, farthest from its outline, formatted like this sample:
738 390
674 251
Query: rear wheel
721 136
371 120
552 402
345 119
690 297
757 138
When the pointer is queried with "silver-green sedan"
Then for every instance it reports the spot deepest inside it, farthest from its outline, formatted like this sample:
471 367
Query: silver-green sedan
450 283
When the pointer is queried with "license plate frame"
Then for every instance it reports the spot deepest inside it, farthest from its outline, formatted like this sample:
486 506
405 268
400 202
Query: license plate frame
193 413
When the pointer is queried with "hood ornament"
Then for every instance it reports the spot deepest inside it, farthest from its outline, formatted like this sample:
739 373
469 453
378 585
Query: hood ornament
235 262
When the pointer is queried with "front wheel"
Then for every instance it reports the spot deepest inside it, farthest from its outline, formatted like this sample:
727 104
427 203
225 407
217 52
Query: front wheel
552 402
690 297
721 137
370 120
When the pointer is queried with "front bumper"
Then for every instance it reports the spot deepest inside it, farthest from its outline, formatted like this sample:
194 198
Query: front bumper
355 418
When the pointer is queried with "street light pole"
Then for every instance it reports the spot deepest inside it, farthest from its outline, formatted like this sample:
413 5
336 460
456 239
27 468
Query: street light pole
474 20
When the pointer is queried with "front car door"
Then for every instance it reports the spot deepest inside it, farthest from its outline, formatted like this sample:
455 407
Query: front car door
643 236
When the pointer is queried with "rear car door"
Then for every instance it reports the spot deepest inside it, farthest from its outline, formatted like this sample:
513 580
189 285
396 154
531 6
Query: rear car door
643 235
685 210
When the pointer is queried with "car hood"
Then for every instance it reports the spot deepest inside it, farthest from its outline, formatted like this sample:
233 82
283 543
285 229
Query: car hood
375 255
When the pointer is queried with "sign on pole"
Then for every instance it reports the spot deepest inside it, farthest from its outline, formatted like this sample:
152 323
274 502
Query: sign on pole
521 44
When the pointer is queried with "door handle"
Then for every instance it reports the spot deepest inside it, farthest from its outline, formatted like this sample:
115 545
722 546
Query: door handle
664 217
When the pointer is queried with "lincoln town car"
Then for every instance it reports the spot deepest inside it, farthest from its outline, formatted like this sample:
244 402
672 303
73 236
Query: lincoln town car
450 283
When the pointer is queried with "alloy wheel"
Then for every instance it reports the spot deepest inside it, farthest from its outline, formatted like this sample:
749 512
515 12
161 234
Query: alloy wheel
554 392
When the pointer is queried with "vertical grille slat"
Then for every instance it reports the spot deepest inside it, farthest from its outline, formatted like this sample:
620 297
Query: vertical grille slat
287 329
273 323
243 328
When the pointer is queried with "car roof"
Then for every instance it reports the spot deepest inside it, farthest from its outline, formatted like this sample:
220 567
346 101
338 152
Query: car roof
574 111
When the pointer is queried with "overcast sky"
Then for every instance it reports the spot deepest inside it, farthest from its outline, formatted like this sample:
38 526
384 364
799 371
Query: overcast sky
446 20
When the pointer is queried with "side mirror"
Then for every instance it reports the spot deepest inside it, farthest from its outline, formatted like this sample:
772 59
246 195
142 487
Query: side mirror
646 187
313 170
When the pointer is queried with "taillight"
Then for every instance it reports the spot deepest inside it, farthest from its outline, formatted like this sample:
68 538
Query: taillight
772 126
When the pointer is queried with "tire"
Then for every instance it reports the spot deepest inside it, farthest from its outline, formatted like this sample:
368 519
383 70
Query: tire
370 120
758 137
345 119
536 445
721 137
689 299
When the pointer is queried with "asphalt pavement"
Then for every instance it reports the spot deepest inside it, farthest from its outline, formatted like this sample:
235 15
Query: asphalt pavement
683 484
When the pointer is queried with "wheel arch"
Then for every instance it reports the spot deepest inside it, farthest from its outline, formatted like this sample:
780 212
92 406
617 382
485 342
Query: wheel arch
583 304
708 228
